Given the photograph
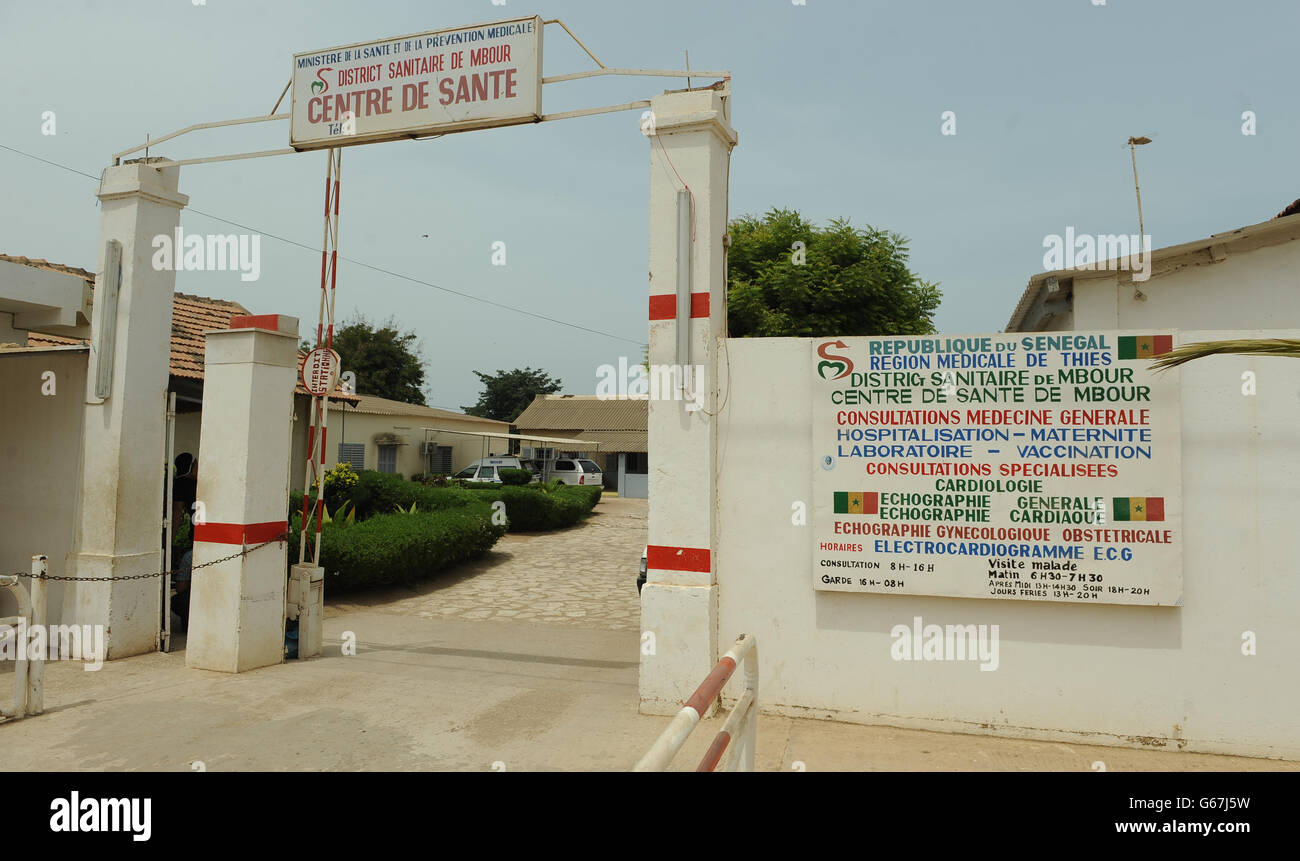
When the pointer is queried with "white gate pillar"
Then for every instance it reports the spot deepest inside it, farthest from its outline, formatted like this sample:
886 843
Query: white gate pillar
690 145
237 606
120 489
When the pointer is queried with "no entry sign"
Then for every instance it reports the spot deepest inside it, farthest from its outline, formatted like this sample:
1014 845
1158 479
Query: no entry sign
429 83
320 371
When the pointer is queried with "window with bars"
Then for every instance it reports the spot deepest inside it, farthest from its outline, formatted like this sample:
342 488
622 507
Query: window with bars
353 453
440 460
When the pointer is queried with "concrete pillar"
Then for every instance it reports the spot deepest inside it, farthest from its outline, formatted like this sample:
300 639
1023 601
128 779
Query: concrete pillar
118 531
690 144
237 606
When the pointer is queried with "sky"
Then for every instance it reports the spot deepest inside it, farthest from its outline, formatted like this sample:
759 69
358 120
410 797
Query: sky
838 105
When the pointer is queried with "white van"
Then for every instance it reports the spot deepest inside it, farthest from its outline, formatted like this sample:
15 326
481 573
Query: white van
488 469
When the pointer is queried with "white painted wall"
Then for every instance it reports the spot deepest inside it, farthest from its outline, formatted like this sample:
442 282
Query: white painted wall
188 425
1241 292
1132 676
40 443
1190 291
362 427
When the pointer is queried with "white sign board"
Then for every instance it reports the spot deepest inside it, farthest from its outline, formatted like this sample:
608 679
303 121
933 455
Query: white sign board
1039 467
428 83
320 371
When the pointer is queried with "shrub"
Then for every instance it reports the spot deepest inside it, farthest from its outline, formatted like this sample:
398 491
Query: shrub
341 475
339 483
381 493
514 477
391 549
590 493
533 508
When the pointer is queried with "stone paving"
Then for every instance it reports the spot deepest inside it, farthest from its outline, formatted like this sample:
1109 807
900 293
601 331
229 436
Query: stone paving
583 577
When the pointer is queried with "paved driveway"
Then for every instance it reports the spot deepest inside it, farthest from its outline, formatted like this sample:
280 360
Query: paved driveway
448 677
583 577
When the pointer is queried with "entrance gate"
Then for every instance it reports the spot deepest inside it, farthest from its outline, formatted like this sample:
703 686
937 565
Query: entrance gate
436 83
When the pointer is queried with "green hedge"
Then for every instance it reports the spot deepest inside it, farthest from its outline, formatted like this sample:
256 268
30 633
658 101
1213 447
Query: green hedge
391 549
589 492
381 493
534 508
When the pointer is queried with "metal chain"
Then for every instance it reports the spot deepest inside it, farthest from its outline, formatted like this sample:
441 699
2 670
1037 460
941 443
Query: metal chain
282 537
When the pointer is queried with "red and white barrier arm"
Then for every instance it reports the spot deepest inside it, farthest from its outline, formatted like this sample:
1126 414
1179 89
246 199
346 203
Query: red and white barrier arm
674 736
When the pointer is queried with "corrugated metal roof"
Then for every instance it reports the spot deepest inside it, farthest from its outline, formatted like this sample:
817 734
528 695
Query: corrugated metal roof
384 407
584 412
618 440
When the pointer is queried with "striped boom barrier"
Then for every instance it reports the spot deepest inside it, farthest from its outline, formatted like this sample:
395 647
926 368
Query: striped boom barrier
741 723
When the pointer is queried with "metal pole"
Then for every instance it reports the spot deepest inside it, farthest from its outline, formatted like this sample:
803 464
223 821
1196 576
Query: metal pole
40 603
749 737
1141 229
168 525
684 278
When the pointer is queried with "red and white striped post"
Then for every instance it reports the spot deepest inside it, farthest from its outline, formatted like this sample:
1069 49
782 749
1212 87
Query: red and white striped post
318 414
237 606
741 724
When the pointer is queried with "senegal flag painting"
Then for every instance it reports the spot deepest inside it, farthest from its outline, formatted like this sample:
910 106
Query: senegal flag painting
1144 346
857 502
1139 507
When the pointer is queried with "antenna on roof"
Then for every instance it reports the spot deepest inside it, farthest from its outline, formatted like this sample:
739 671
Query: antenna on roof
1133 144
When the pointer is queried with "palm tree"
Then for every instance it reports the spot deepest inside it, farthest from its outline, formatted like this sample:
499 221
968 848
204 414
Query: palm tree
1286 347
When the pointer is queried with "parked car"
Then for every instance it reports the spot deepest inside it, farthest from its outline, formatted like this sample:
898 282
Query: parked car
487 469
640 578
577 470
478 472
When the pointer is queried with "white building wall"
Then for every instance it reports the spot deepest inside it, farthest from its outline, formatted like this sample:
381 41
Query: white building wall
1242 291
187 433
40 444
1172 677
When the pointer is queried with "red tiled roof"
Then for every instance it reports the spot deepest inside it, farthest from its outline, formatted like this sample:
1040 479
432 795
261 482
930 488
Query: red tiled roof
191 317
38 263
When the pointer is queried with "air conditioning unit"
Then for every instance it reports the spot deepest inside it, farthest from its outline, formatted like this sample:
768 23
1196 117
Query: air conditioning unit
427 447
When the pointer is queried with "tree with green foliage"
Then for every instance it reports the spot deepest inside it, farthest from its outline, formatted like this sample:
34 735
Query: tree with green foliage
387 362
789 278
506 394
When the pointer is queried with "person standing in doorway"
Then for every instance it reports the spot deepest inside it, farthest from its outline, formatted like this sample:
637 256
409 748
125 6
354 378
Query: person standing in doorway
184 494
